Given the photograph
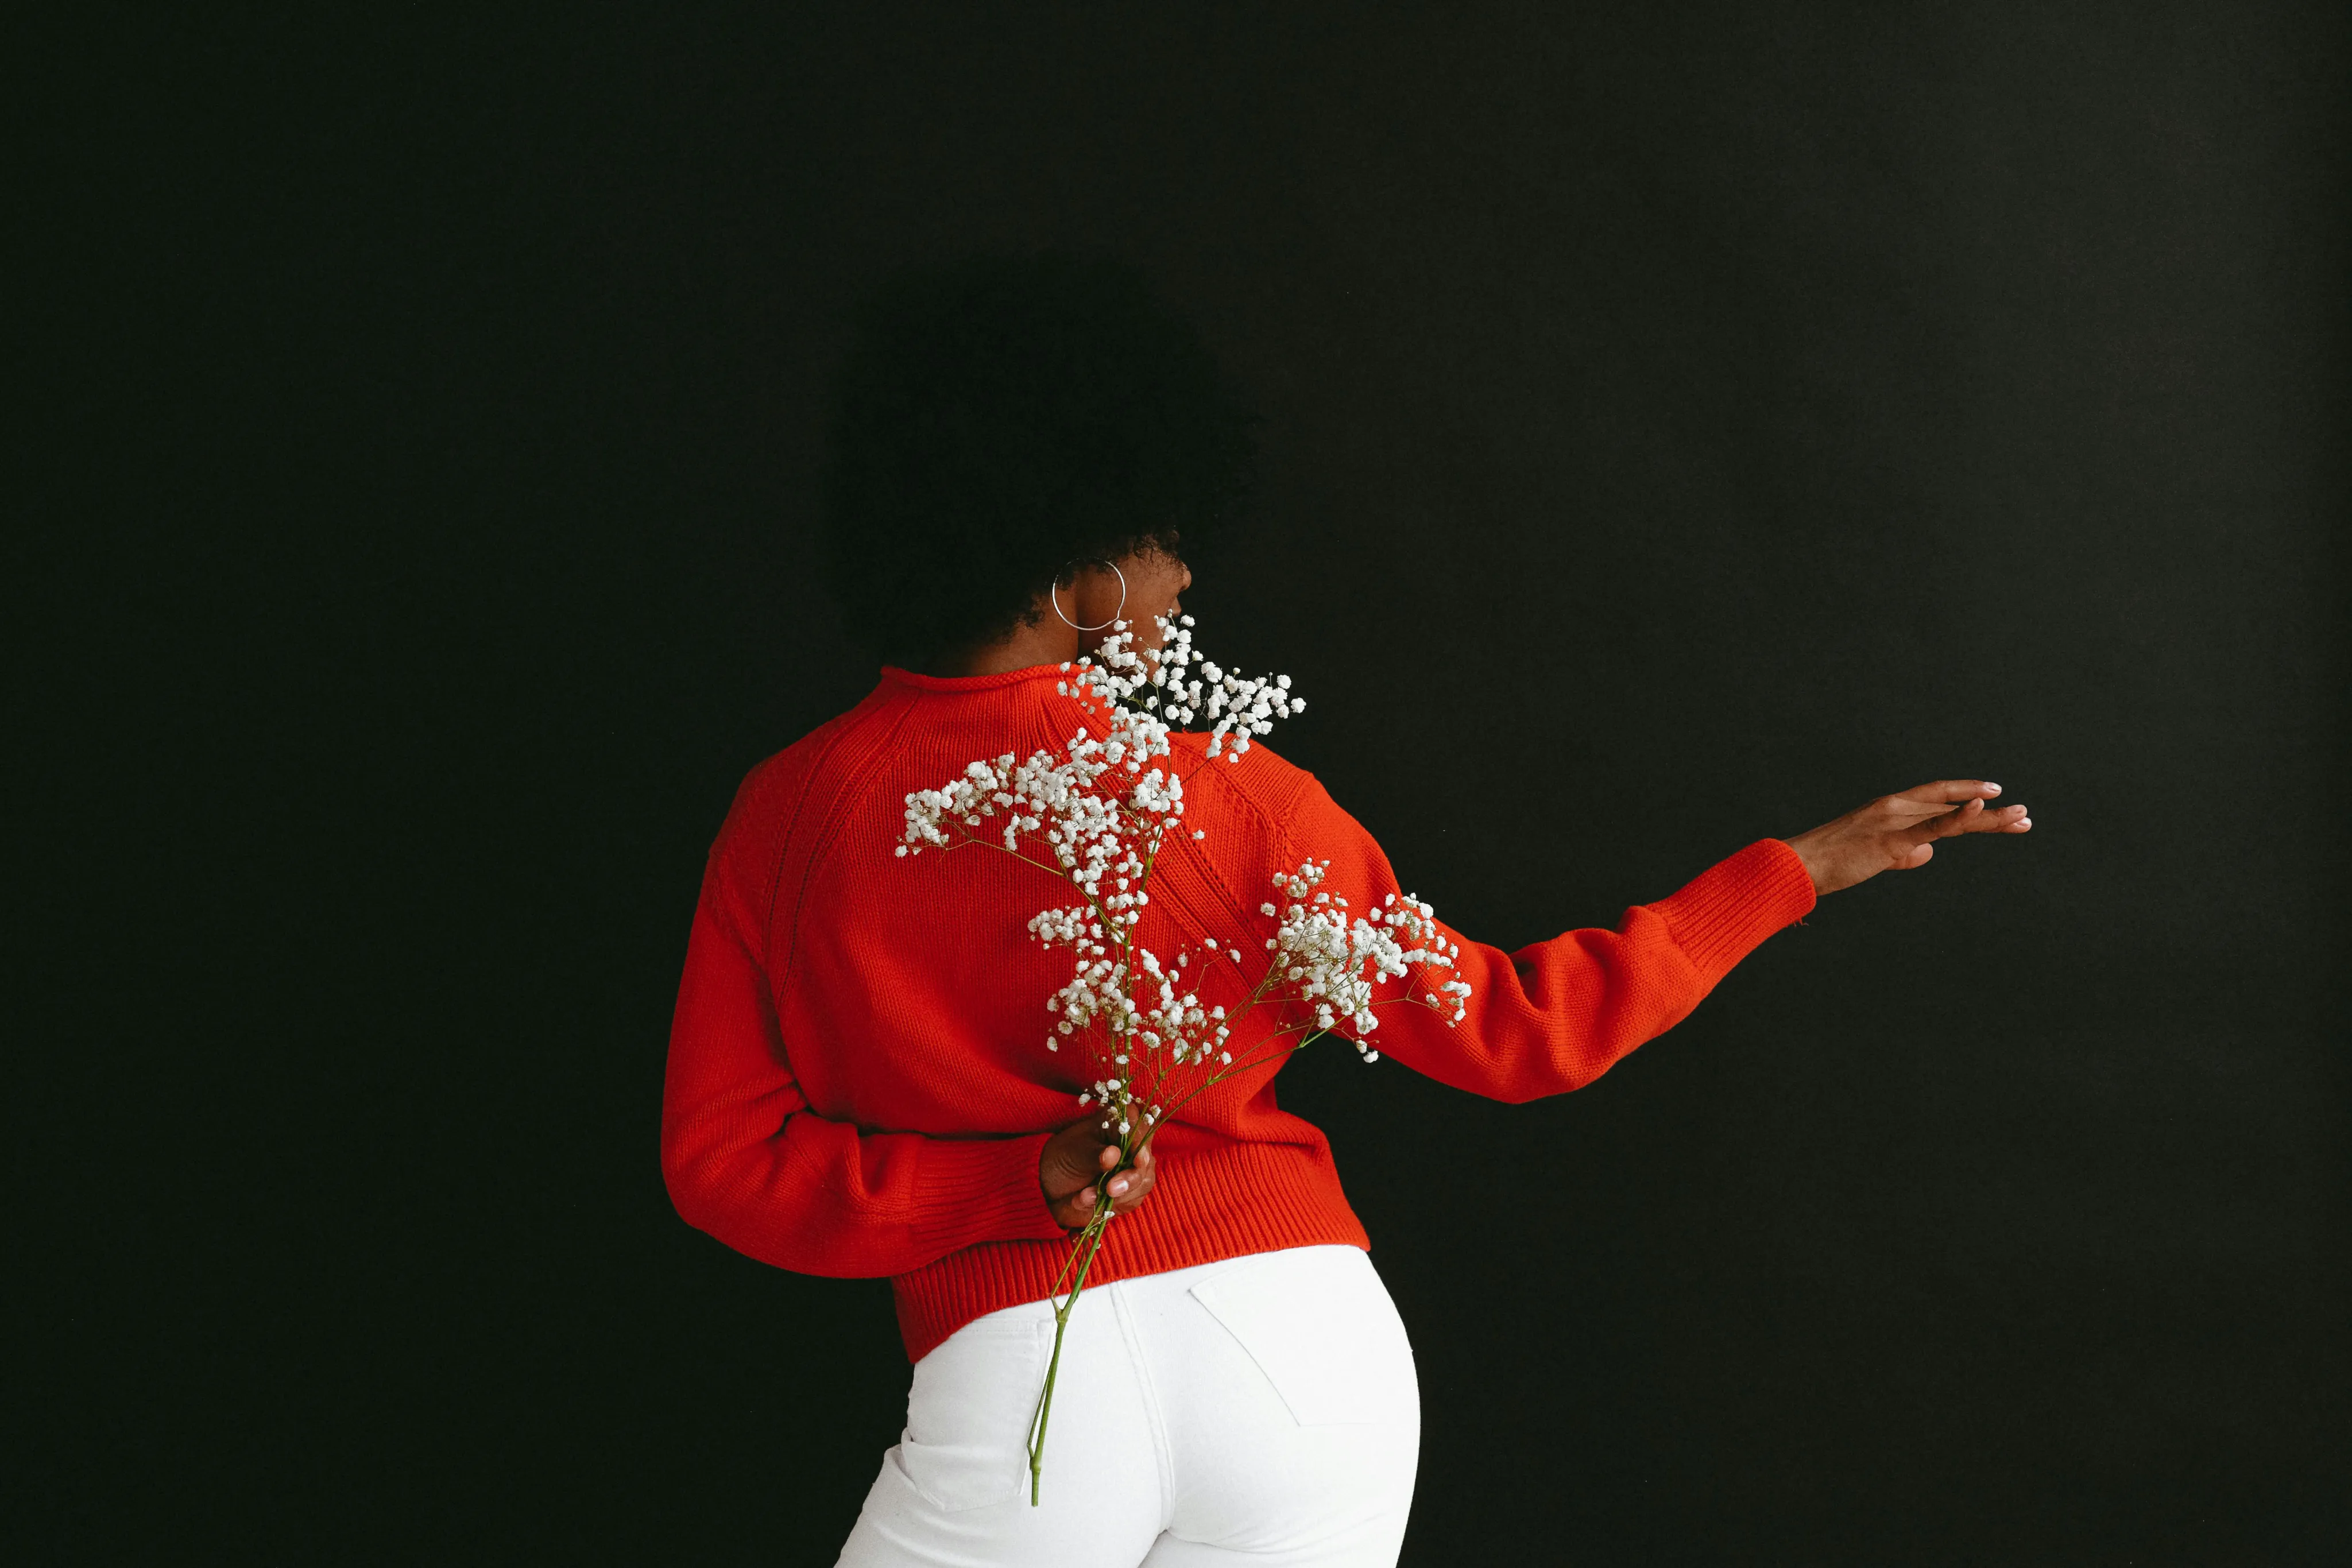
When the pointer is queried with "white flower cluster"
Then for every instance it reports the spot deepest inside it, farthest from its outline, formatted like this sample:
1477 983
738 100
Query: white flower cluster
1160 683
1168 1019
1099 812
1334 965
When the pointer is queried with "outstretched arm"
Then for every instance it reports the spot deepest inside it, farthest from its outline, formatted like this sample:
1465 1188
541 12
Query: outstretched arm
1556 1015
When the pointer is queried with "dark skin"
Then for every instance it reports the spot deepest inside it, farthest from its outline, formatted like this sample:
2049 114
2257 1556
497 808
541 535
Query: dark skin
1893 832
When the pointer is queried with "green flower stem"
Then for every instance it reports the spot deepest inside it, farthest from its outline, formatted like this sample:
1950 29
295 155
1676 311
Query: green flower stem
1089 1242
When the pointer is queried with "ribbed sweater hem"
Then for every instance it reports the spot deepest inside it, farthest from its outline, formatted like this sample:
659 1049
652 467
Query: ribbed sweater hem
1213 1200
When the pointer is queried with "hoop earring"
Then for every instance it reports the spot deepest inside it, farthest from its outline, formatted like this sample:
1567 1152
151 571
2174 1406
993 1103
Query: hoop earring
1054 589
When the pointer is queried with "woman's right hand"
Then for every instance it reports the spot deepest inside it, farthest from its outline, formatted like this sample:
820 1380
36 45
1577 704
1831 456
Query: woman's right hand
1071 1170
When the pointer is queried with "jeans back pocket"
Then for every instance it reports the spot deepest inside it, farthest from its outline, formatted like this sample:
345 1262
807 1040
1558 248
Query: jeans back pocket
1319 1325
967 1440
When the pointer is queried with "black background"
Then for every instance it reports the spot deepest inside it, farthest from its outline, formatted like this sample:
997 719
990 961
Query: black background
1681 425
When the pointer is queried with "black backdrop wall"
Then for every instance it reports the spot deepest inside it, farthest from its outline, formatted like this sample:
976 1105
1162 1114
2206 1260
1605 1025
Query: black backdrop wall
1696 419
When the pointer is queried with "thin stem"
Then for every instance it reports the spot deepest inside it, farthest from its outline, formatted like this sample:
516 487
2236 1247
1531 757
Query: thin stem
1091 1242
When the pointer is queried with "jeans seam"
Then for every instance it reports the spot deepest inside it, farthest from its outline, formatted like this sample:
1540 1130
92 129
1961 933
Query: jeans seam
1162 1450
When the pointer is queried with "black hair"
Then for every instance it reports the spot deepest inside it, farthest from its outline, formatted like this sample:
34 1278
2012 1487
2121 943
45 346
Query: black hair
1000 417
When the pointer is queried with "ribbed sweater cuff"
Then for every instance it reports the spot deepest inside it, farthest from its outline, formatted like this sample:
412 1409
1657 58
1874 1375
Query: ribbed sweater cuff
1727 911
969 1190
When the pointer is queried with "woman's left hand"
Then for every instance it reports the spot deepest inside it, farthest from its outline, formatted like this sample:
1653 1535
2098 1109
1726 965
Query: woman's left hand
1080 1164
1898 832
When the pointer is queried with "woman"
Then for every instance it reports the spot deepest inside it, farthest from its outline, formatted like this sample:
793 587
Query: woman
1024 453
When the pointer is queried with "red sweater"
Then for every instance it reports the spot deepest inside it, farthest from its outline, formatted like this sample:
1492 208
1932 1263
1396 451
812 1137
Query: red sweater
858 1081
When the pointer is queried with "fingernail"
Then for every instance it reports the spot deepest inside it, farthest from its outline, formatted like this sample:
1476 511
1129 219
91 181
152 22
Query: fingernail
1119 1187
1992 788
1086 1198
2025 821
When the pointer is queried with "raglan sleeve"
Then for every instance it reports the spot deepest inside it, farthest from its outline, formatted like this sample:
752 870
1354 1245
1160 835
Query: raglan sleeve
1556 1015
747 1160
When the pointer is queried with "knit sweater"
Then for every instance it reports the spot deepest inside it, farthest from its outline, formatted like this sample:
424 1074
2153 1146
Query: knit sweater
858 1081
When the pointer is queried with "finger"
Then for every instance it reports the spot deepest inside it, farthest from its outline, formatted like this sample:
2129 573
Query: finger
1136 1180
1915 857
1950 791
1127 1190
1971 818
1943 826
1074 1174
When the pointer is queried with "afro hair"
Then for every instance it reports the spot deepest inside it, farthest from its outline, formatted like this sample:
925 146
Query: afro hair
1001 417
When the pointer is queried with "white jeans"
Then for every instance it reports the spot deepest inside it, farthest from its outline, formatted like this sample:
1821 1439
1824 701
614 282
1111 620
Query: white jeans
1259 1411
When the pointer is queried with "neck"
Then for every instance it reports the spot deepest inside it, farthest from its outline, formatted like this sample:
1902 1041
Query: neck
1047 642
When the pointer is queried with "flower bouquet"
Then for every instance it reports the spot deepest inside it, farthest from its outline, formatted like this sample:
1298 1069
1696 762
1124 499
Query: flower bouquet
1097 815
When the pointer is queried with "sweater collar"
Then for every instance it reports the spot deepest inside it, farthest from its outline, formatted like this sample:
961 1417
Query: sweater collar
971 683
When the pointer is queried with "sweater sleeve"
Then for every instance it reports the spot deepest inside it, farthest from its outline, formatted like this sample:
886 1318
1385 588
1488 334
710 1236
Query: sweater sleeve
1556 1015
747 1160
